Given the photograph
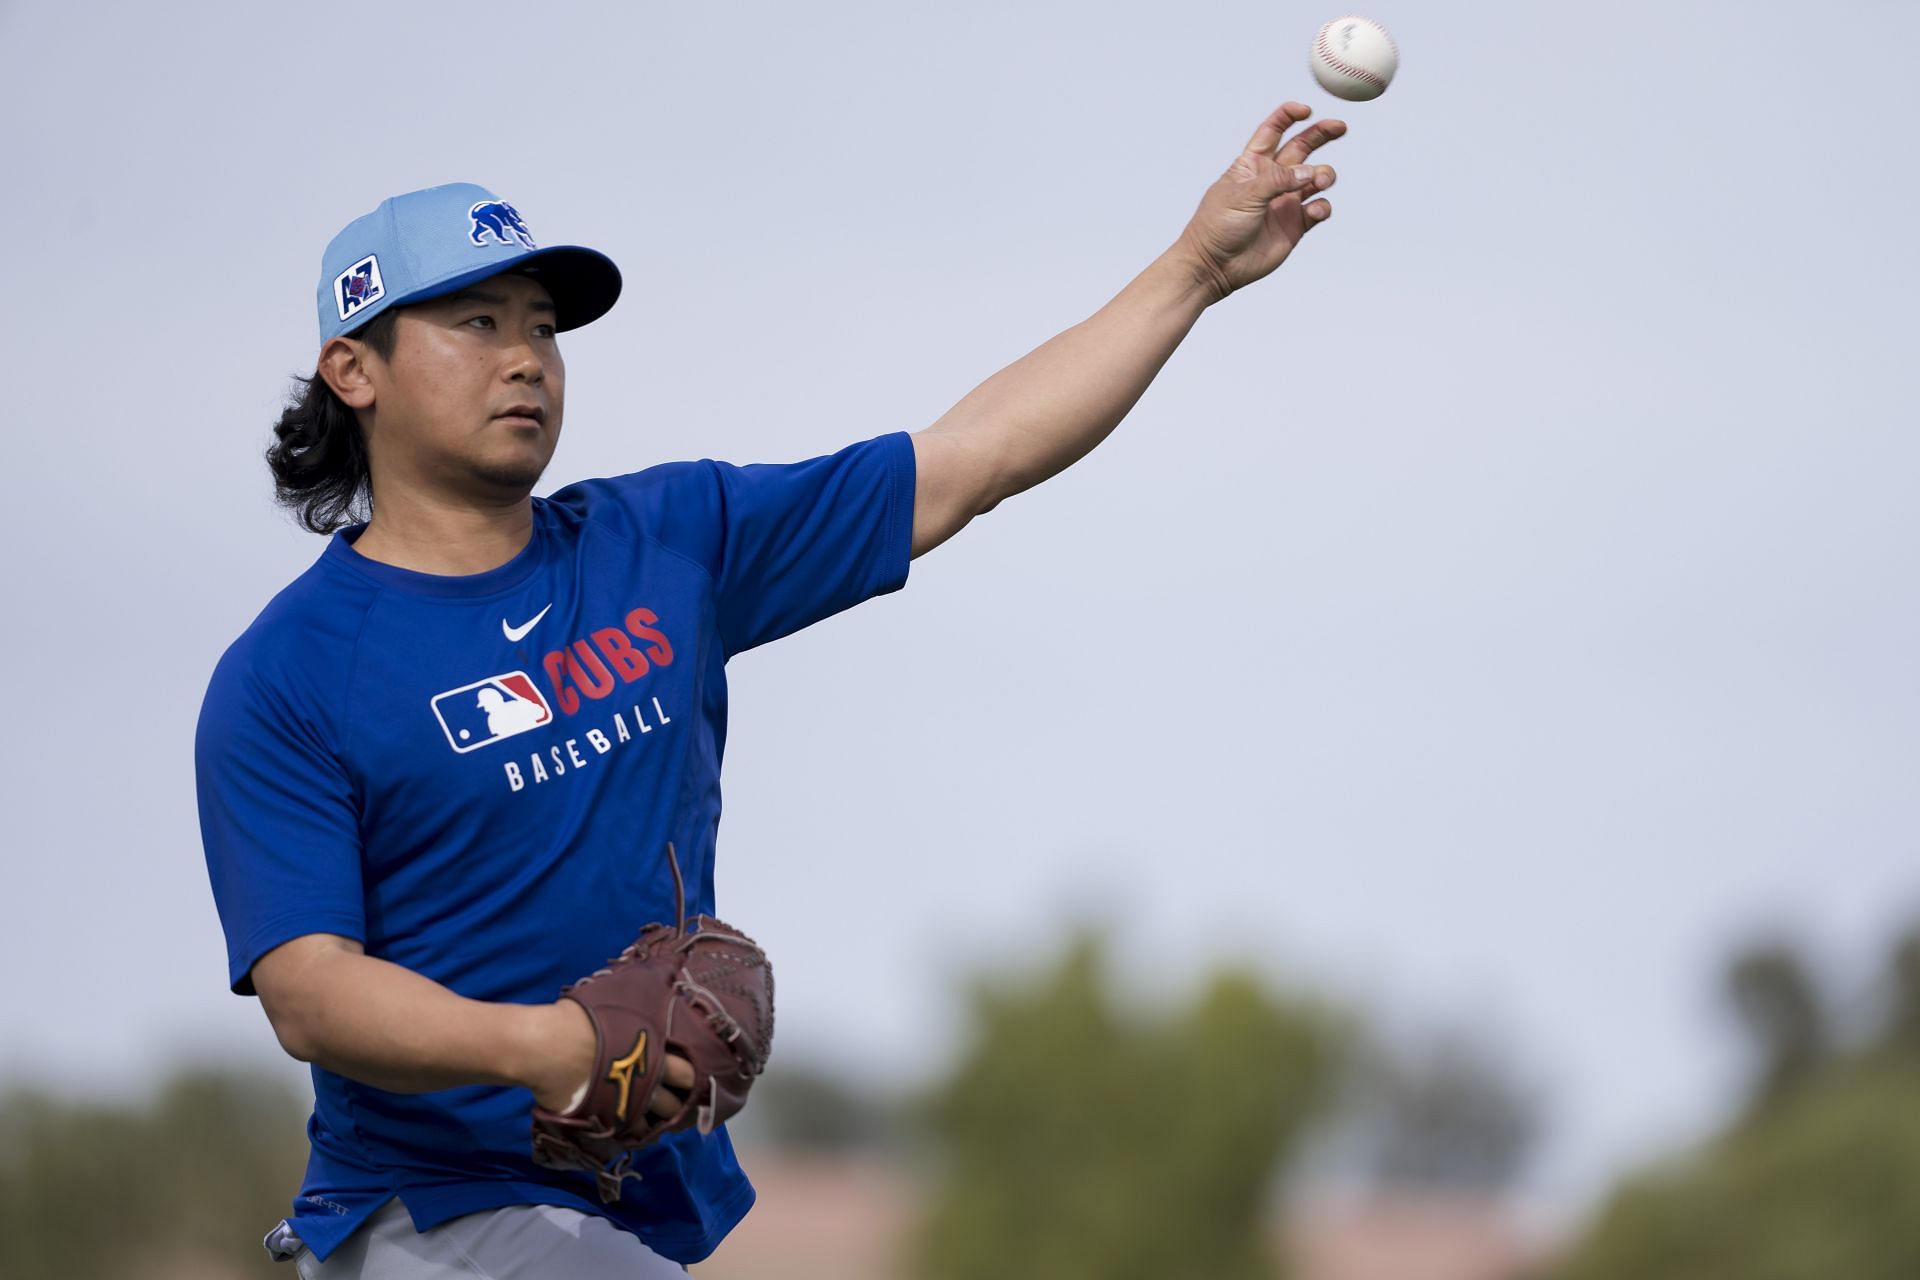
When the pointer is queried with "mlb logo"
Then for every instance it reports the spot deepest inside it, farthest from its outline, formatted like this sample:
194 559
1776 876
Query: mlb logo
484 712
358 285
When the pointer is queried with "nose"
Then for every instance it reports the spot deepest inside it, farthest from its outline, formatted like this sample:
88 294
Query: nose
525 365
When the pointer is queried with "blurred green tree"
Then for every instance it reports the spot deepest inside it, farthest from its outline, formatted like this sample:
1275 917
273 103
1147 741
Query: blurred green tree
1079 1142
1826 1185
1818 1179
1772 991
1444 1113
1900 1034
802 1107
184 1185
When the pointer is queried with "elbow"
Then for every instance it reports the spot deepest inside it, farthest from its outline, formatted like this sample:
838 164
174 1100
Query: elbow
297 983
297 1049
993 488
290 1030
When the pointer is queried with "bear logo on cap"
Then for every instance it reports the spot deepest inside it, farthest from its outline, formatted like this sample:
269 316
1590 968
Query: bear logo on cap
500 220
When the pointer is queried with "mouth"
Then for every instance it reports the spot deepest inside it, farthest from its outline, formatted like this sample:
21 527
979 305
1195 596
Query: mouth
522 415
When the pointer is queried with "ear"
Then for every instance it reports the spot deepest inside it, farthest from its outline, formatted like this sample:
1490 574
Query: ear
343 363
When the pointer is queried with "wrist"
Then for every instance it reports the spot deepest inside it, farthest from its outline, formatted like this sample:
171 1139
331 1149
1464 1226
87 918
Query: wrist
551 1051
1207 284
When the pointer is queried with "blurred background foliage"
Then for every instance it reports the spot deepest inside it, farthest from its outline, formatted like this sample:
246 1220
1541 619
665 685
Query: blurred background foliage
1079 1140
1443 1113
1085 1133
183 1186
1818 1173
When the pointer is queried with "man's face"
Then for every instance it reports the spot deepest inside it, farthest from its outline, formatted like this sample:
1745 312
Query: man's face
471 400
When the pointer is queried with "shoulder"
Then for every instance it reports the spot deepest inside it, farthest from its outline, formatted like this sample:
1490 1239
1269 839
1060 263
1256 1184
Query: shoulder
643 494
296 656
680 505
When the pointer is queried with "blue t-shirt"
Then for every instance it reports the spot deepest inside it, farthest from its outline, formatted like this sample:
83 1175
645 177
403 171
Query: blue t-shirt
477 777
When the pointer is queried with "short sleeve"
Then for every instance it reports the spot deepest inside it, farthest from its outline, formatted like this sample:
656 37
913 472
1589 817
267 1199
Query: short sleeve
786 544
278 818
805 540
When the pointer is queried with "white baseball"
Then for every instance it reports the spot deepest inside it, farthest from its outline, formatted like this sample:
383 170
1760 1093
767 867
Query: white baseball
1354 58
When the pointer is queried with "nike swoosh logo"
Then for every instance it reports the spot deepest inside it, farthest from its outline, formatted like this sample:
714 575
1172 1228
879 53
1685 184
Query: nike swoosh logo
515 634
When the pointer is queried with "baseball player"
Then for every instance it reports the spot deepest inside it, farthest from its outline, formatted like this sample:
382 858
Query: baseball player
440 773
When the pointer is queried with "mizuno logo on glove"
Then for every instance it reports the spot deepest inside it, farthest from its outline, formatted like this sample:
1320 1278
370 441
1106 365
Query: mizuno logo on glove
620 1074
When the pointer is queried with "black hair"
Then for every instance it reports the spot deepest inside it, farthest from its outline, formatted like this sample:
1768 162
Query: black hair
318 456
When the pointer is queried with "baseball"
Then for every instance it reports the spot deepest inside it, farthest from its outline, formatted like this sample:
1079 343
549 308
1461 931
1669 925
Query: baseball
1354 58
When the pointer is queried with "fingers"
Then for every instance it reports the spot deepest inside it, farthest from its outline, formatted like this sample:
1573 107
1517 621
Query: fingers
1275 127
1266 138
1282 169
671 1094
1309 140
1321 176
1303 181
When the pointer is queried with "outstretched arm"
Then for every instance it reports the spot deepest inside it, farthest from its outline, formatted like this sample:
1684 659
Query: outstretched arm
1047 410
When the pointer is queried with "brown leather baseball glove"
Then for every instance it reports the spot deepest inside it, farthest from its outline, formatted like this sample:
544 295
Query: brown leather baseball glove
701 991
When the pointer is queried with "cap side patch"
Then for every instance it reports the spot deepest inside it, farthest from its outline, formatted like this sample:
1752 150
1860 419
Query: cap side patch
358 285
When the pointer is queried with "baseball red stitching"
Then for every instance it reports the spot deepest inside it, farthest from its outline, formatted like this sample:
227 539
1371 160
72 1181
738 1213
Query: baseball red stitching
1358 73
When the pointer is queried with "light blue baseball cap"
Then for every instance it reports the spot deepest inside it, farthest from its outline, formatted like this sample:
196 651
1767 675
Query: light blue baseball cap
426 244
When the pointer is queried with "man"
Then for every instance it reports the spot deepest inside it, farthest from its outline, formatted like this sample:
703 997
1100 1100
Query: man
438 772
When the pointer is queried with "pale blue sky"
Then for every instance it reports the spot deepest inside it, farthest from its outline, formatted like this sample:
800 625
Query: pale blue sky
1491 615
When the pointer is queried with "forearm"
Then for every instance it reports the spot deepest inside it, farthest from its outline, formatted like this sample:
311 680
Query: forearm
376 1022
1047 410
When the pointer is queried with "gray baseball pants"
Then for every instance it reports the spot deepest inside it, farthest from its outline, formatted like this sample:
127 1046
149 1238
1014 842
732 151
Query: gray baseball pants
518 1242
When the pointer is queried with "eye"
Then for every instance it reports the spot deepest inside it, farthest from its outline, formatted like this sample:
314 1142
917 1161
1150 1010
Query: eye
486 321
546 330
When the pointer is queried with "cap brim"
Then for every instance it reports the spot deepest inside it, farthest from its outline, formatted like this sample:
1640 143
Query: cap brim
583 283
